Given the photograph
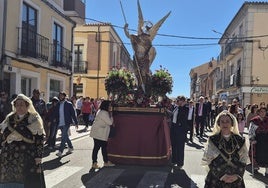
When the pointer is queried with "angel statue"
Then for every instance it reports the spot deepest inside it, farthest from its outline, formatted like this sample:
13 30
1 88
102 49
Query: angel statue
144 52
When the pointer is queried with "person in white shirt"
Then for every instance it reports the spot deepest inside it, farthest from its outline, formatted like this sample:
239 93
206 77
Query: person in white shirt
78 105
178 132
190 119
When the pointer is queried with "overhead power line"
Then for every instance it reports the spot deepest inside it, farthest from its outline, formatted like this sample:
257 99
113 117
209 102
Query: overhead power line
187 37
237 39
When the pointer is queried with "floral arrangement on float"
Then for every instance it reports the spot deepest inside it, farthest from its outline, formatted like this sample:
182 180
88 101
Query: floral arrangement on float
119 83
161 83
122 89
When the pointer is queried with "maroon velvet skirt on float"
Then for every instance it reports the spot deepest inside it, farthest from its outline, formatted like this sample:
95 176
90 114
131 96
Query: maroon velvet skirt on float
262 149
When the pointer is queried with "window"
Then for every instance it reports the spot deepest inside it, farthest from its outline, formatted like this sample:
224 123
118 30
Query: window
55 87
57 43
78 53
79 65
238 73
29 30
232 69
78 89
240 30
26 86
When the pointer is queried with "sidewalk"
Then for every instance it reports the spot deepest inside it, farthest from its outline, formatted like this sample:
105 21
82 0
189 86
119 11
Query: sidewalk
80 132
75 133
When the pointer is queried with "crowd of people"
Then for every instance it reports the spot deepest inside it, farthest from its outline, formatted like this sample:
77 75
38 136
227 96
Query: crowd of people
224 124
28 123
21 148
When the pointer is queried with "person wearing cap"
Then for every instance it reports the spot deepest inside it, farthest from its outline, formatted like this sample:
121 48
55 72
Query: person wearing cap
21 146
40 106
64 116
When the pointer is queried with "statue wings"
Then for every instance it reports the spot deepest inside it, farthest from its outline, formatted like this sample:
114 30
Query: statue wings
155 27
141 21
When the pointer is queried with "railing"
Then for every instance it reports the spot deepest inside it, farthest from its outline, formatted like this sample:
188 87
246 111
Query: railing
220 57
219 84
61 57
227 82
238 78
33 44
80 67
233 44
77 6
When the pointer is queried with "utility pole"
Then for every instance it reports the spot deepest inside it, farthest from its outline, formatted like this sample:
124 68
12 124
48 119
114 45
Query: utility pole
98 72
2 42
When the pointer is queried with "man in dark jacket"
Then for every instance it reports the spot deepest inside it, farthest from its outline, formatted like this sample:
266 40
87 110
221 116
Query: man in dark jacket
190 119
65 116
5 105
52 122
178 132
41 107
208 113
200 116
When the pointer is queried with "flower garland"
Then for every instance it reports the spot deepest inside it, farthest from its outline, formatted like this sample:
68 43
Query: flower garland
162 82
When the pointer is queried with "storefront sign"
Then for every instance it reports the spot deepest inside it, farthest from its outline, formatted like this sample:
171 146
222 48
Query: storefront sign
259 90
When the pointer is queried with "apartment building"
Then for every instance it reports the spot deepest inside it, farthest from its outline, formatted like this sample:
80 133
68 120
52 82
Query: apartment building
240 71
36 46
203 80
97 49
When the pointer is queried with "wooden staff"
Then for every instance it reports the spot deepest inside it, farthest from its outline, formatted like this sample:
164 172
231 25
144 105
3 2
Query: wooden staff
135 58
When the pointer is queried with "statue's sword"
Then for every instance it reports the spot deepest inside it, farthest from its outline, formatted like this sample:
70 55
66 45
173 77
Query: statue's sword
135 59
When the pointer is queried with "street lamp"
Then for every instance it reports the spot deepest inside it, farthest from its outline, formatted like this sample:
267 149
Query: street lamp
223 34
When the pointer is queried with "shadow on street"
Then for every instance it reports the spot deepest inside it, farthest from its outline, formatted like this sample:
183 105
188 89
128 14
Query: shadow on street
130 176
53 164
257 175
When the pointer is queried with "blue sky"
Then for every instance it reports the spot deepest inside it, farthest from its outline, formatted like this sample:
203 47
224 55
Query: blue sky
188 18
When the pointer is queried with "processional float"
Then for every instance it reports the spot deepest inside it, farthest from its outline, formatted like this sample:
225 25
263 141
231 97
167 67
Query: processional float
142 132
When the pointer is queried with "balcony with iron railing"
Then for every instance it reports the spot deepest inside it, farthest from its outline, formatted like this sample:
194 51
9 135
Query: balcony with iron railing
233 46
219 84
80 67
220 57
33 44
61 57
226 83
37 46
77 6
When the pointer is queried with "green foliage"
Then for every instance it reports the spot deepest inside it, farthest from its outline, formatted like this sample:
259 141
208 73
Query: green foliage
121 87
162 82
119 81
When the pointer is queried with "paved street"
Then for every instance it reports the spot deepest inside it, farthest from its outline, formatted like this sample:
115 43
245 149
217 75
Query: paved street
73 170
